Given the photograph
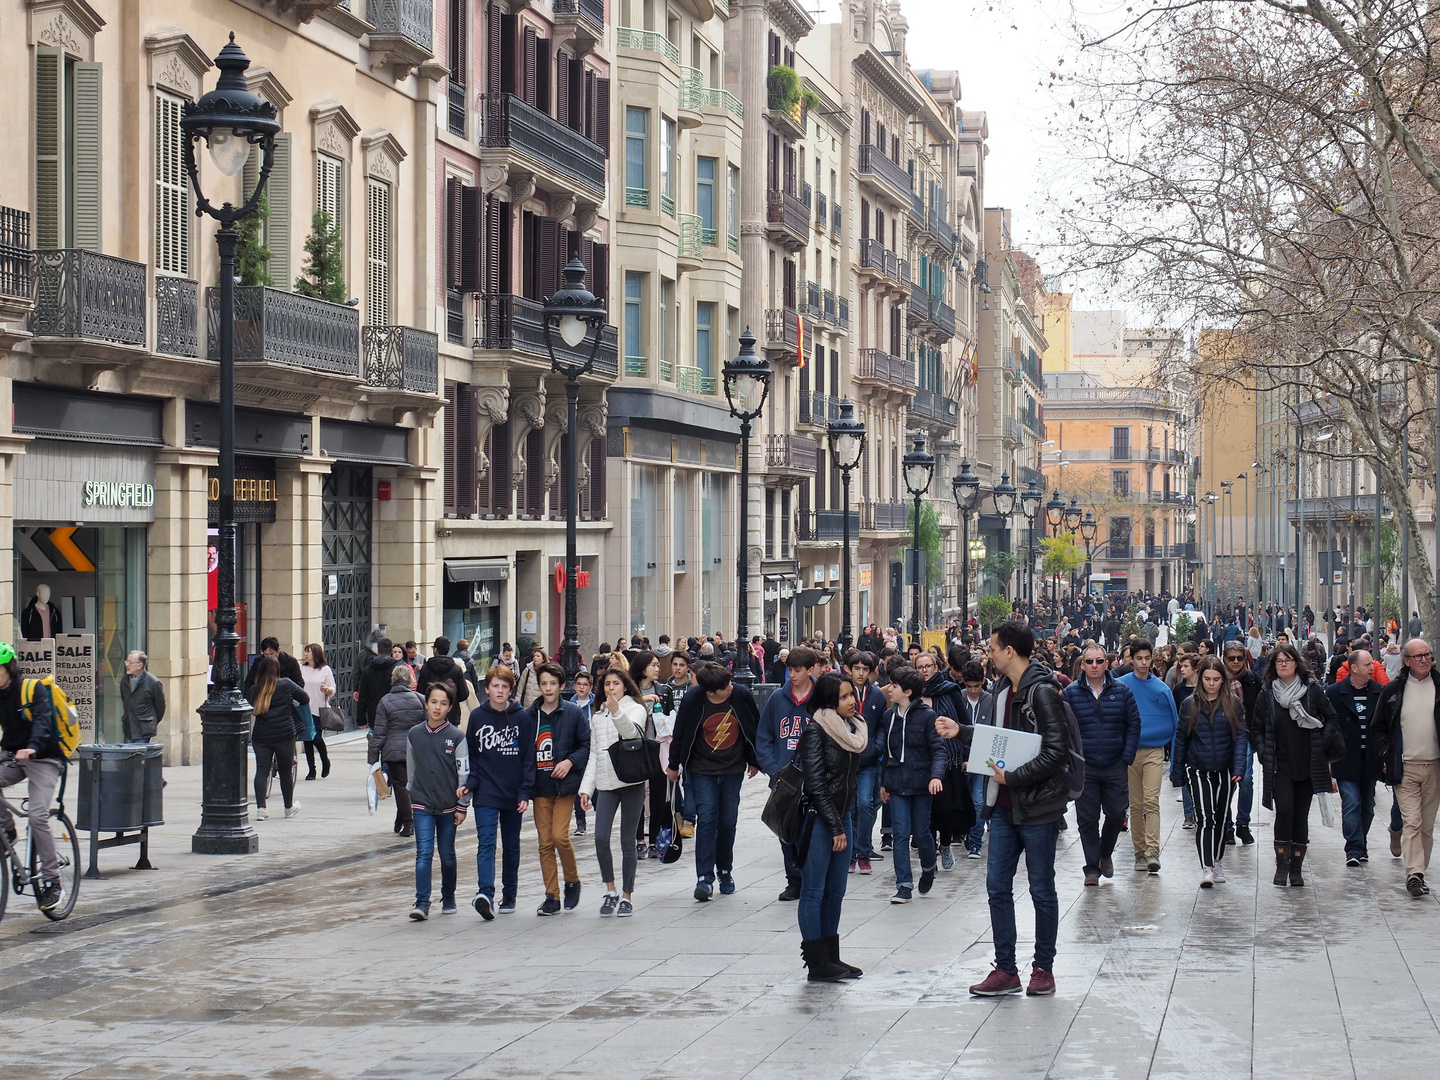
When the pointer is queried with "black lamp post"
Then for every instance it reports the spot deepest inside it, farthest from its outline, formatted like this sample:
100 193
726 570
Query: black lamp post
1030 506
1089 529
231 120
1073 514
1004 499
847 444
747 383
966 487
572 312
1054 517
918 466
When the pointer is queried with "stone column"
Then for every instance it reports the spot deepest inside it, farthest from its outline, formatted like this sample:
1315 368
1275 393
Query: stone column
405 586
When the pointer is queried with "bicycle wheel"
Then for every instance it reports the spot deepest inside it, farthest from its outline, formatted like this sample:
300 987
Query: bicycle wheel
4 879
67 849
270 783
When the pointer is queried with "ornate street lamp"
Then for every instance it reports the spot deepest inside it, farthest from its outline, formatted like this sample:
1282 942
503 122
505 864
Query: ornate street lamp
919 467
966 487
747 384
1089 529
846 436
1054 517
1004 499
573 312
1073 514
231 120
1030 506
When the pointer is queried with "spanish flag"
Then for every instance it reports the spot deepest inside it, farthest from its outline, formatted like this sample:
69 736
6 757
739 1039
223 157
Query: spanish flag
800 348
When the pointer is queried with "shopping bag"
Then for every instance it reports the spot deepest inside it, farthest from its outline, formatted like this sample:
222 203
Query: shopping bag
1327 809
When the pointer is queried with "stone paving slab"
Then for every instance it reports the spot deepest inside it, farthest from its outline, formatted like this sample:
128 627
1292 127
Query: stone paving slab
299 964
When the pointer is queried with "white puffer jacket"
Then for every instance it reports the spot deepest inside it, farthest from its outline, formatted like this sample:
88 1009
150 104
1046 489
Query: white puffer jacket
599 773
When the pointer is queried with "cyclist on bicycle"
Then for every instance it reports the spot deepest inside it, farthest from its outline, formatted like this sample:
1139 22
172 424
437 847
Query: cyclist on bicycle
30 751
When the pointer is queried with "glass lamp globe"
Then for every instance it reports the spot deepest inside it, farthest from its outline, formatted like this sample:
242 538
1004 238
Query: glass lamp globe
572 330
228 151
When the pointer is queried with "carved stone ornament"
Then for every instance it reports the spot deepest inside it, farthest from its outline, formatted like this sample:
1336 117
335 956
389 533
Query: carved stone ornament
176 77
334 128
329 140
493 178
65 24
383 155
592 417
62 35
585 218
562 207
493 403
522 187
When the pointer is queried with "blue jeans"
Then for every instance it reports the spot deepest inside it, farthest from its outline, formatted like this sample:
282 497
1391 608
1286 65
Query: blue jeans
1247 794
911 814
867 808
977 796
432 830
717 808
1186 802
488 822
687 797
1007 841
822 881
1357 811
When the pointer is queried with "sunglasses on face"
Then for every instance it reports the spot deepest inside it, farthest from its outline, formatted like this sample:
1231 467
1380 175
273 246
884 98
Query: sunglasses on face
1095 660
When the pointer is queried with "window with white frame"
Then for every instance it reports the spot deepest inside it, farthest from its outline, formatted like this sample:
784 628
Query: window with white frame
379 243
330 188
172 188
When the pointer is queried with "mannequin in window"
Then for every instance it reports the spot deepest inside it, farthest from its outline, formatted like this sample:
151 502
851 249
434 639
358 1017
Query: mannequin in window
41 618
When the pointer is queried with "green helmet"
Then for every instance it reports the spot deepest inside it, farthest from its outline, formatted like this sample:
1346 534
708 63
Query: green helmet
7 653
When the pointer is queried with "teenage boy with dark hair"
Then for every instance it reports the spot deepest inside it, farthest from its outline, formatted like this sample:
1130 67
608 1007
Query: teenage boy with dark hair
861 667
781 722
562 747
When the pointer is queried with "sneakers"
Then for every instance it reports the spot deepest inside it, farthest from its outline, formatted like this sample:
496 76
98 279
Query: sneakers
50 893
1352 860
507 905
1142 864
261 814
625 910
447 905
1189 821
973 853
852 865
927 879
607 906
791 891
1414 885
1207 878
886 843
580 829
420 912
727 884
1152 863
704 890
1245 836
1092 877
1395 843
687 830
902 895
551 906
652 852
1229 837
572 895
1107 866
947 860
1219 875
1042 983
484 906
862 865
294 808
1000 983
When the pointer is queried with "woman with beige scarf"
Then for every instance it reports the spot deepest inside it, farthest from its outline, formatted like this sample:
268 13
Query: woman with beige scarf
829 753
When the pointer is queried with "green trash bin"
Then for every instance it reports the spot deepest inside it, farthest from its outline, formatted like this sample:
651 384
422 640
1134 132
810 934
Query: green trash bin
115 775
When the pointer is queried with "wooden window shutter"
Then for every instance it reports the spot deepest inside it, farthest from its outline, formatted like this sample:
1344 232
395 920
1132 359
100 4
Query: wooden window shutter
467 464
576 119
496 224
562 87
589 106
532 59
88 159
557 490
277 226
50 137
377 253
548 271
600 271
864 126
602 114
469 279
172 189
459 35
500 470
535 474
542 75
494 50
452 397
453 247
597 479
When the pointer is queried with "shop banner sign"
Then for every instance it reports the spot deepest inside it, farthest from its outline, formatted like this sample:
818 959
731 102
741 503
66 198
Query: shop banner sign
36 658
75 674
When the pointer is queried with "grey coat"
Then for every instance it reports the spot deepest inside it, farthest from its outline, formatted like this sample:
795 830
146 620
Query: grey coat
144 706
398 711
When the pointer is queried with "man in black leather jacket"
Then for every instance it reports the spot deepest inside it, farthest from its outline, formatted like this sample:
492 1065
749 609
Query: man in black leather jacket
1024 806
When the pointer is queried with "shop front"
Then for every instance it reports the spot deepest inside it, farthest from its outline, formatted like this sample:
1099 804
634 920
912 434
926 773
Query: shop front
475 592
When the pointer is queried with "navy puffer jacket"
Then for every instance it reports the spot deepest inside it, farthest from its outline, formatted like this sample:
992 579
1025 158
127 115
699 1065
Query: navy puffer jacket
1210 746
1109 725
914 751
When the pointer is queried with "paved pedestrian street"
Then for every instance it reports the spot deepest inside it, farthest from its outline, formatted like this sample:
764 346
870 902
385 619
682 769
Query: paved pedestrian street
300 964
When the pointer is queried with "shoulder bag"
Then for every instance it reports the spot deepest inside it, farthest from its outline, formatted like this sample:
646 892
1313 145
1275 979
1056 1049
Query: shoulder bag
634 758
784 812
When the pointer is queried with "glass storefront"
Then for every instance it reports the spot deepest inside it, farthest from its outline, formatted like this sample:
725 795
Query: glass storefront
644 506
712 558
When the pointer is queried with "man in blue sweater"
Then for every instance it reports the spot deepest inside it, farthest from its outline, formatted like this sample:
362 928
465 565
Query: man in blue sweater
1109 724
781 722
1158 720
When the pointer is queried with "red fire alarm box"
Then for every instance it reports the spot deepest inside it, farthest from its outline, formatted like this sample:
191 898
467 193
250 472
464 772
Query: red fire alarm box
382 490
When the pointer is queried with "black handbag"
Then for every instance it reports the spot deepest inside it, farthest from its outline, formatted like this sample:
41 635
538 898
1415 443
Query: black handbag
330 719
784 812
635 759
669 844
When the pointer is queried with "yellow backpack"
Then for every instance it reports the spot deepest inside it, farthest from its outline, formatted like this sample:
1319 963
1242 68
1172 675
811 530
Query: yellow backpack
65 721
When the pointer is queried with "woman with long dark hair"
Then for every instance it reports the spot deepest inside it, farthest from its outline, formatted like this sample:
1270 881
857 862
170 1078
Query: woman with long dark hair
829 752
1297 735
1208 756
274 732
619 715
320 685
659 702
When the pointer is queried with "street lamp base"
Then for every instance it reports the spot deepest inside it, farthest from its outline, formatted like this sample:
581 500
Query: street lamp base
224 817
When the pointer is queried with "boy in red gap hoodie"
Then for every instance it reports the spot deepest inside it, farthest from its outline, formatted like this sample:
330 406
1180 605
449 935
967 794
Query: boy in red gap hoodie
501 740
781 721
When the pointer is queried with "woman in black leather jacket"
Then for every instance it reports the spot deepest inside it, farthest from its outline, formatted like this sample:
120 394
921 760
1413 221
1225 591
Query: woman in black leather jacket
274 732
829 754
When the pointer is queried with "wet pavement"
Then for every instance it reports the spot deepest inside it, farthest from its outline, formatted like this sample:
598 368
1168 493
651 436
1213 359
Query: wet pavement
300 963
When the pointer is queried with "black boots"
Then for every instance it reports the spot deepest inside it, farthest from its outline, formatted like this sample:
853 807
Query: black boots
832 951
1297 856
817 959
1282 865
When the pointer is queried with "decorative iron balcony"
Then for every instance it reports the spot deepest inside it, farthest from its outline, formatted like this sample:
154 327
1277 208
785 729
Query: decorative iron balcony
508 123
884 516
287 328
929 405
177 316
818 408
1012 429
929 309
714 98
637 366
15 253
828 309
693 380
827 524
690 234
842 320
812 301
782 328
401 358
507 321
797 452
822 210
891 177
592 11
876 365
788 118
83 294
791 214
410 20
887 264
835 217
637 196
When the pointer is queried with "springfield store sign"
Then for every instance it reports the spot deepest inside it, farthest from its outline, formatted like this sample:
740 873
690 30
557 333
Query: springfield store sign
102 493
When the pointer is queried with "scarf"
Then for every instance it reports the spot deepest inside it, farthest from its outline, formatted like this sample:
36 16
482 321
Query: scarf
1292 697
850 734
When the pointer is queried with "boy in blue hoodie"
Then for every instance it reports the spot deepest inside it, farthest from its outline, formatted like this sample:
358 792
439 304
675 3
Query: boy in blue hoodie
781 722
501 738
1158 718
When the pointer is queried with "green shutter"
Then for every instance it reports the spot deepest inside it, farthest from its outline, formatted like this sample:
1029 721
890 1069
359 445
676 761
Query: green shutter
49 147
277 228
87 161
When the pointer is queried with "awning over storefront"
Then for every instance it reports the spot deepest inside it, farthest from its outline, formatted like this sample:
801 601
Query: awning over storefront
497 569
816 597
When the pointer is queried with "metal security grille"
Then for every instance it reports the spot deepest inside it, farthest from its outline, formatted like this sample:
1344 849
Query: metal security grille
346 516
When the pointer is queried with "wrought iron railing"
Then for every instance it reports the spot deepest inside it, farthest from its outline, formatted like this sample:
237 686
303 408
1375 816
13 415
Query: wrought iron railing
401 358
813 308
789 212
177 316
690 233
15 255
648 41
818 408
933 406
785 451
715 98
873 256
507 321
637 366
835 217
822 210
842 319
287 328
667 204
508 122
880 366
637 196
84 294
874 162
411 19
828 308
667 370
790 115
782 328
692 89
827 525
932 309
693 380
732 241
593 11
889 516
1012 429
